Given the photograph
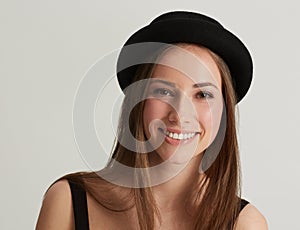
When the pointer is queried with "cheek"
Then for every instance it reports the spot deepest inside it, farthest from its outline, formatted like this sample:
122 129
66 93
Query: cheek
153 110
204 118
209 118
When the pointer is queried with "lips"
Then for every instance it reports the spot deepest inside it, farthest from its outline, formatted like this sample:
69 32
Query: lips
176 137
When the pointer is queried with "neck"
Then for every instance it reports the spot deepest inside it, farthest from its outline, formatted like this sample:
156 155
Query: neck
172 194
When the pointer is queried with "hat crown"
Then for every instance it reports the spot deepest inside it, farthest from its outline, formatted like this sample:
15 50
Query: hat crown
185 15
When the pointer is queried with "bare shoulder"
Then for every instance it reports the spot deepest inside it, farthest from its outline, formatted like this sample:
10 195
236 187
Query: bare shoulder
251 218
56 211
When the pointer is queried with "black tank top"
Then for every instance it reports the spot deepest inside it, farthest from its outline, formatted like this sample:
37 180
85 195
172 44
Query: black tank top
80 207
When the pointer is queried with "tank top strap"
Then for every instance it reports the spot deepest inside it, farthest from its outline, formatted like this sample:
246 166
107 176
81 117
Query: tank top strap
79 206
243 204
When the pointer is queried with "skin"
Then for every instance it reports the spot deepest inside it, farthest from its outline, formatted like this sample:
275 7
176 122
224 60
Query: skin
184 103
56 211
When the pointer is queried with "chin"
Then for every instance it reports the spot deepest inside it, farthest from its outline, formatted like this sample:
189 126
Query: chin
179 155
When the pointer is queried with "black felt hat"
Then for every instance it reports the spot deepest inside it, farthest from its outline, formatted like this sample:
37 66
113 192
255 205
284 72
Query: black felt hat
195 28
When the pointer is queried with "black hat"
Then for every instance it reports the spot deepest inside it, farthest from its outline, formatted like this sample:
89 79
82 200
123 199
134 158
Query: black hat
195 28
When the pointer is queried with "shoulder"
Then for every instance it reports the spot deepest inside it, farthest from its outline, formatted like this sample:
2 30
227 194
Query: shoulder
56 211
250 218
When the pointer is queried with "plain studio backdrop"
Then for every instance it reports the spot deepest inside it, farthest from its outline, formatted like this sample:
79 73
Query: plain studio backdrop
47 47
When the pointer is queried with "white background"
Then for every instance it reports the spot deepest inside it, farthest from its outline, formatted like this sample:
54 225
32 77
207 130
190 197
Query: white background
47 47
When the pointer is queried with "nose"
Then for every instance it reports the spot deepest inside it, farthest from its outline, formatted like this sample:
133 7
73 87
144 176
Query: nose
182 110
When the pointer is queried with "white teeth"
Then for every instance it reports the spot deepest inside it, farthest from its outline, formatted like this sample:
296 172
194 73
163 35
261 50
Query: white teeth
179 136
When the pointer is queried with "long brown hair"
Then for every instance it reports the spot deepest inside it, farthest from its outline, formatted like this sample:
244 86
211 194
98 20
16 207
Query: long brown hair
219 190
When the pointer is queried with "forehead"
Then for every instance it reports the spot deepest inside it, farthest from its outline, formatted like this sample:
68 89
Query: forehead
188 63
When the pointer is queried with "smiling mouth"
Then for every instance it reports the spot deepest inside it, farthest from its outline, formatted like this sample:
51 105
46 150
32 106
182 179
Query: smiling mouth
179 136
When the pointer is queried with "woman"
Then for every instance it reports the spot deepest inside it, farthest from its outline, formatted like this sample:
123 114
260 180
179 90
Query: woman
182 76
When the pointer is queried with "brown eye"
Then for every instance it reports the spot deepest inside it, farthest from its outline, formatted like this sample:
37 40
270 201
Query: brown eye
204 95
163 92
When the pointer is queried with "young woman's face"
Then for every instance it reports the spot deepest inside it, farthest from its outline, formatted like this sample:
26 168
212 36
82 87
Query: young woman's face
184 105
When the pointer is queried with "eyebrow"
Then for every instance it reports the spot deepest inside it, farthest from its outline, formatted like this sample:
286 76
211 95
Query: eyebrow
162 81
197 85
203 84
